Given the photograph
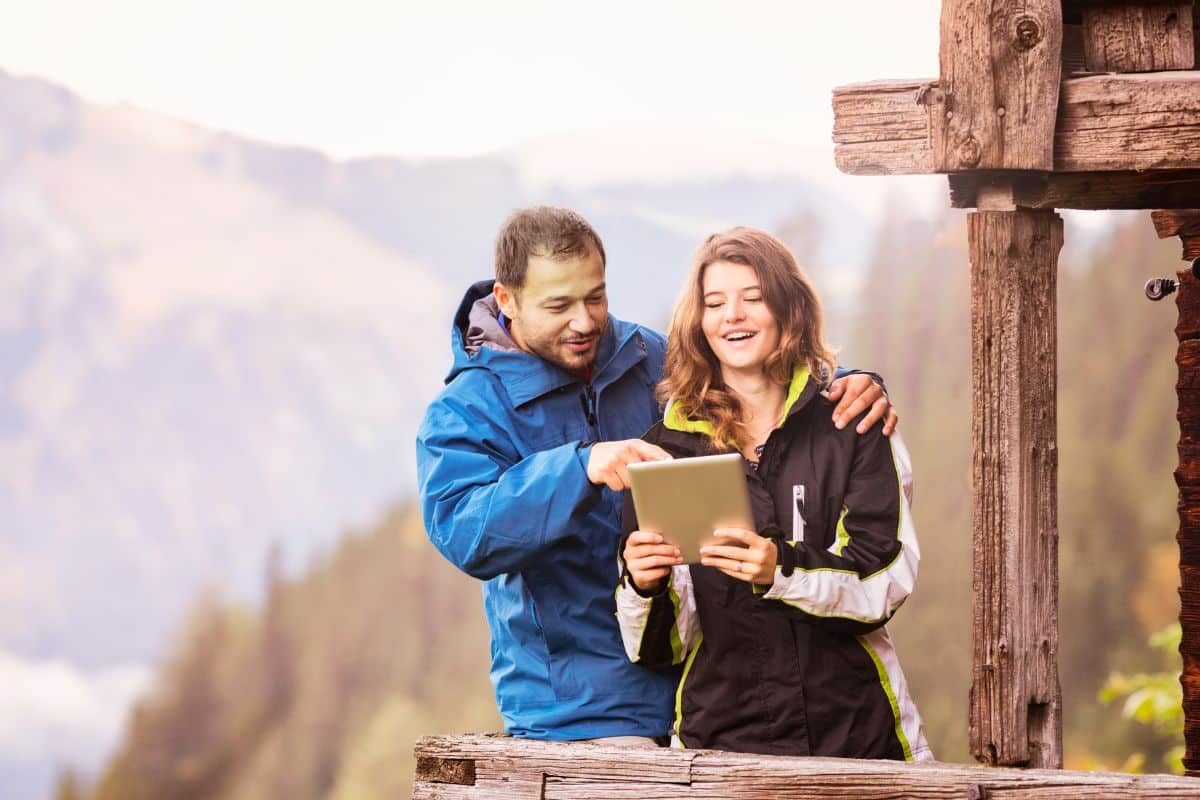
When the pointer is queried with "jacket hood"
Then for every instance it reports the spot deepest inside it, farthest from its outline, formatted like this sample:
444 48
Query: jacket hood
479 341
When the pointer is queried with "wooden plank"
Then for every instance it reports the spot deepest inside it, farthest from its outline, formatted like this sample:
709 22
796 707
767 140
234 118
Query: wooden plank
1000 67
1138 37
592 772
1187 359
882 127
1129 122
1016 702
425 790
1106 123
576 760
446 770
1169 189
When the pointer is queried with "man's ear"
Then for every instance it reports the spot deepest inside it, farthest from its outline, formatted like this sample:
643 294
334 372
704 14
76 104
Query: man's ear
507 300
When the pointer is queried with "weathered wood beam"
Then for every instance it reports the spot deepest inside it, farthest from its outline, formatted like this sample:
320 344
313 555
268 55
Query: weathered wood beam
520 769
1016 701
1106 123
1000 66
1083 190
1184 223
1187 477
1138 37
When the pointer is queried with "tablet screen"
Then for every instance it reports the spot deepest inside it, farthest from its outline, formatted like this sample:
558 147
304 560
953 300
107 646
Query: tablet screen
687 498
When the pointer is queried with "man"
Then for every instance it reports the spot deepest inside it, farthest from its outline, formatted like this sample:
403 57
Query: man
522 460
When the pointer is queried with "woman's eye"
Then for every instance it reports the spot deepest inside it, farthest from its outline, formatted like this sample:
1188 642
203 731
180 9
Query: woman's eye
712 305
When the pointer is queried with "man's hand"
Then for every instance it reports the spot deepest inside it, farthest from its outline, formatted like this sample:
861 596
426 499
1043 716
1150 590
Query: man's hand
856 393
649 559
607 461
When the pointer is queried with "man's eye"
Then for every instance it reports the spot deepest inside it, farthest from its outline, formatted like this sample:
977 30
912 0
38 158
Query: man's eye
556 309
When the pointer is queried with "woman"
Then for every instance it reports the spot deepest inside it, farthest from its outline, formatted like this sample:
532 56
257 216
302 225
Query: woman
781 629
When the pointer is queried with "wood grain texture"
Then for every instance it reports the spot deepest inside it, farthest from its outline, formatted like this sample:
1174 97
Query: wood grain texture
1170 189
1105 123
595 772
1176 222
1138 37
1187 359
1184 223
882 127
1000 67
1016 702
1129 122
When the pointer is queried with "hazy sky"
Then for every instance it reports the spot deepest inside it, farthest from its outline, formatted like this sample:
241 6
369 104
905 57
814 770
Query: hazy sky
458 78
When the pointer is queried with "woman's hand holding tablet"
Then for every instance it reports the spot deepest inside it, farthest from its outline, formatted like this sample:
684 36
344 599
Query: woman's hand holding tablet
649 559
742 554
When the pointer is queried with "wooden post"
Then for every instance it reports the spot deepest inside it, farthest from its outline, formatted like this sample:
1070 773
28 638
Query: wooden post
1001 64
1016 700
1186 225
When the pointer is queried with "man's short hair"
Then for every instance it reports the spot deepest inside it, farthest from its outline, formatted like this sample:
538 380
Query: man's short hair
544 231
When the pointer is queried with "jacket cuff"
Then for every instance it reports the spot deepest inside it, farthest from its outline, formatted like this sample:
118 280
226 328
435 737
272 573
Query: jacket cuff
627 582
785 554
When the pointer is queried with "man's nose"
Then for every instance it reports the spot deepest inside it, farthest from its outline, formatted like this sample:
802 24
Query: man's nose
582 322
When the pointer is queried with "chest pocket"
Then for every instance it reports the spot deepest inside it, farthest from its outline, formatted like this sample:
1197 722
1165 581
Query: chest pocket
798 512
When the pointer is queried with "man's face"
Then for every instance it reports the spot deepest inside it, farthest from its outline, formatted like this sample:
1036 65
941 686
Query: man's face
561 311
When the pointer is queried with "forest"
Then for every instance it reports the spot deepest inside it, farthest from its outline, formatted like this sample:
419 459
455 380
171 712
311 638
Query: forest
321 691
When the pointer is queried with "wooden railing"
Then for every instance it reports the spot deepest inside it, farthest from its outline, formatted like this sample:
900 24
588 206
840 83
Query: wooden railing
478 766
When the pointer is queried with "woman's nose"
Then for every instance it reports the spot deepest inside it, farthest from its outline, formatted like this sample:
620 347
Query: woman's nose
734 310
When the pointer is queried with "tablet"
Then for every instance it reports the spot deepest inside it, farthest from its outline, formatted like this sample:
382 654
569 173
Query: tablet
685 499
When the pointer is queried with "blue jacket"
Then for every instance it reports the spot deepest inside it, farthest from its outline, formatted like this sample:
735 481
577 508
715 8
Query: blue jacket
502 466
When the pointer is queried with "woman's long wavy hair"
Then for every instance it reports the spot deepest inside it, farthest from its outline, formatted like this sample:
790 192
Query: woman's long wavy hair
692 375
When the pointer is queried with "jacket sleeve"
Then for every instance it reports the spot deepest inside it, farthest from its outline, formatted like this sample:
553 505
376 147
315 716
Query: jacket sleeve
487 509
657 630
859 582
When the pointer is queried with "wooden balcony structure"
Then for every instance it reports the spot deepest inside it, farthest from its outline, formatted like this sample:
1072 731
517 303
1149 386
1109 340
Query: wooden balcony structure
1039 105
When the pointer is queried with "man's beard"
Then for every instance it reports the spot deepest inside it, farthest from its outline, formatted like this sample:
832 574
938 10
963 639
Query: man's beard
557 353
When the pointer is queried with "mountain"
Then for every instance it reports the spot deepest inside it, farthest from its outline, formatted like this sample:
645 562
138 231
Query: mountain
210 346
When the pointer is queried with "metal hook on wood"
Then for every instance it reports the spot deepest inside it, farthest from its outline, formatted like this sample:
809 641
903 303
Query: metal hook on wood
1158 288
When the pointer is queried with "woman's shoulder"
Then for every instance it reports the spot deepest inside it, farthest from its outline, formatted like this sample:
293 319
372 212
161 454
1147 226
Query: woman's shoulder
680 444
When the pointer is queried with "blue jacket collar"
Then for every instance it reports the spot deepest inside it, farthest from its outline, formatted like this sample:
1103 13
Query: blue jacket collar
525 376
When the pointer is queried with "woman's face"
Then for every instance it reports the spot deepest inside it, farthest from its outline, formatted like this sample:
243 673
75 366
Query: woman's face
739 327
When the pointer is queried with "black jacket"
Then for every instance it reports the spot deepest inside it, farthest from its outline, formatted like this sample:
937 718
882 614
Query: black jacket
805 666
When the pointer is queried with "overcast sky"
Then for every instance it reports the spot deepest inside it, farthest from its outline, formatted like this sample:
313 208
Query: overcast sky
460 78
